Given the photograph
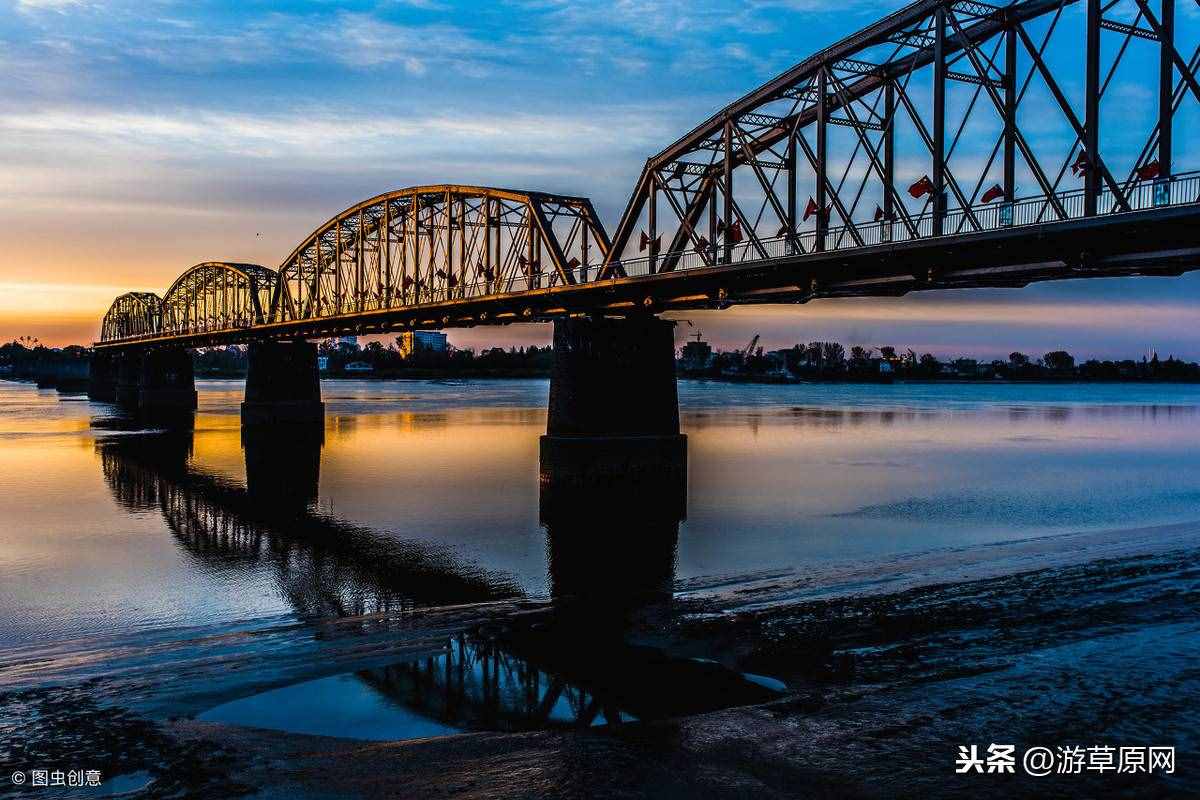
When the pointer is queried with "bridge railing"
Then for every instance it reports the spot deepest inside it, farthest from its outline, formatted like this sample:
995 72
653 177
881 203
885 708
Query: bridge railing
1036 210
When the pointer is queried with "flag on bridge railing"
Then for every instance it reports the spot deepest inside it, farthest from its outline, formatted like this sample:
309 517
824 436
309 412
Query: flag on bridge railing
1148 171
784 230
702 245
921 187
646 240
1081 165
879 215
813 208
573 263
733 234
993 193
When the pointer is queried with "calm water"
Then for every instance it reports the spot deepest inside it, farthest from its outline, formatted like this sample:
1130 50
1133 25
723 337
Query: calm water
107 530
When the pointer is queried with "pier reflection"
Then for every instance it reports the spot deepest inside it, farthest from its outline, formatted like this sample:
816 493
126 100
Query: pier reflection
575 661
323 565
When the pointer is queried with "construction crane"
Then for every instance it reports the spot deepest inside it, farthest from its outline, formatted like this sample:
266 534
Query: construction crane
749 351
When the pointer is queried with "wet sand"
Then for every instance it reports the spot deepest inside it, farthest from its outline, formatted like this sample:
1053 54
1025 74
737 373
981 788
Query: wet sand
1099 647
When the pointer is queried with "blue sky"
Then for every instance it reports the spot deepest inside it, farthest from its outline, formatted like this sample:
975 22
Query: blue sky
139 138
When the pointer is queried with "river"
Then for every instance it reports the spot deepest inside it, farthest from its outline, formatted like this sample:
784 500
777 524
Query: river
133 558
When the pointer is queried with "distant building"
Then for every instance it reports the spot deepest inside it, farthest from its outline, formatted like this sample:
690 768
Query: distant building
413 342
351 341
696 355
359 367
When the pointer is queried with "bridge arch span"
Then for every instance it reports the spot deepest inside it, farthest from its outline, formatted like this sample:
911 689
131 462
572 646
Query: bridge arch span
132 314
217 296
438 243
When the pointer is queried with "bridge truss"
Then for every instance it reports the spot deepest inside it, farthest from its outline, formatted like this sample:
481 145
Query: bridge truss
944 118
435 243
953 143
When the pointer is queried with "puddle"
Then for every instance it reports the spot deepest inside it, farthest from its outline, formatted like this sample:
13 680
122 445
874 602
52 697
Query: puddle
481 686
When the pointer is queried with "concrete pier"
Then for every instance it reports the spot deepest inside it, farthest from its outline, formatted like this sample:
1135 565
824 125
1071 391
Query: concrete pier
168 383
102 378
128 385
614 407
282 384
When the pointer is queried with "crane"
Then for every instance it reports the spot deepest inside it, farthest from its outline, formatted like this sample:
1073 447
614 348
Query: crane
749 351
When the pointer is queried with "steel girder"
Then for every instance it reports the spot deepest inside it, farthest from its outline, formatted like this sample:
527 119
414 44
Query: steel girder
218 296
132 314
427 244
823 156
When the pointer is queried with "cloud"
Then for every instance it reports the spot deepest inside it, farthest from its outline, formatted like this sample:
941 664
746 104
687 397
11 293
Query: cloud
325 134
59 6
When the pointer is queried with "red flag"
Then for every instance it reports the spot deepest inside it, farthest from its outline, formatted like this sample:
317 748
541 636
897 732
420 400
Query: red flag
1081 165
921 187
991 194
644 243
811 208
720 227
701 244
573 263
452 280
734 234
878 213
1148 171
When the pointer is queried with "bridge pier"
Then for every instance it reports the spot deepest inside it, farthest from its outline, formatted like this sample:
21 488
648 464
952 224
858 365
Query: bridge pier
128 386
614 408
168 383
283 384
102 378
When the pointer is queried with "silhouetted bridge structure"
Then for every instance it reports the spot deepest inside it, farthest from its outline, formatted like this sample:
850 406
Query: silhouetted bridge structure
952 144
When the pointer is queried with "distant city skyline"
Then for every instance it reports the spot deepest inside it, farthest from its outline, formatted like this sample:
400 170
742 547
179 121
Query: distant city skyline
139 140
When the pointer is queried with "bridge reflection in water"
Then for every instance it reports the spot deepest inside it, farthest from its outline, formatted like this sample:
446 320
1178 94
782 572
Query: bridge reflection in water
572 661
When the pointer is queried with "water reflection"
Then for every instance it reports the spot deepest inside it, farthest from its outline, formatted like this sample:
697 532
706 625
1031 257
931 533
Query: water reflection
322 565
611 550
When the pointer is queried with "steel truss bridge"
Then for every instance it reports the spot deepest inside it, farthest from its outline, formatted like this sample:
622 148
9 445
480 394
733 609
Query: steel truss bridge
951 144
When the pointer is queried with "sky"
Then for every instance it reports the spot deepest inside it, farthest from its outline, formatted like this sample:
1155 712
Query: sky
139 138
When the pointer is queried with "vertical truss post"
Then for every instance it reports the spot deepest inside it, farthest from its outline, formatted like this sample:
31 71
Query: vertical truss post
790 168
337 267
416 265
711 256
462 246
487 245
1091 125
448 216
889 155
498 254
360 263
385 252
652 223
939 119
1010 114
727 254
1166 86
822 142
583 251
530 256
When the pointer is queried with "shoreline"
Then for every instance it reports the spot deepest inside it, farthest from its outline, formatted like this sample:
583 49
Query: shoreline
881 687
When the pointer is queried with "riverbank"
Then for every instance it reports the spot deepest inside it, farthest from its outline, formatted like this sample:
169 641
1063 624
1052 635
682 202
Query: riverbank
1096 646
